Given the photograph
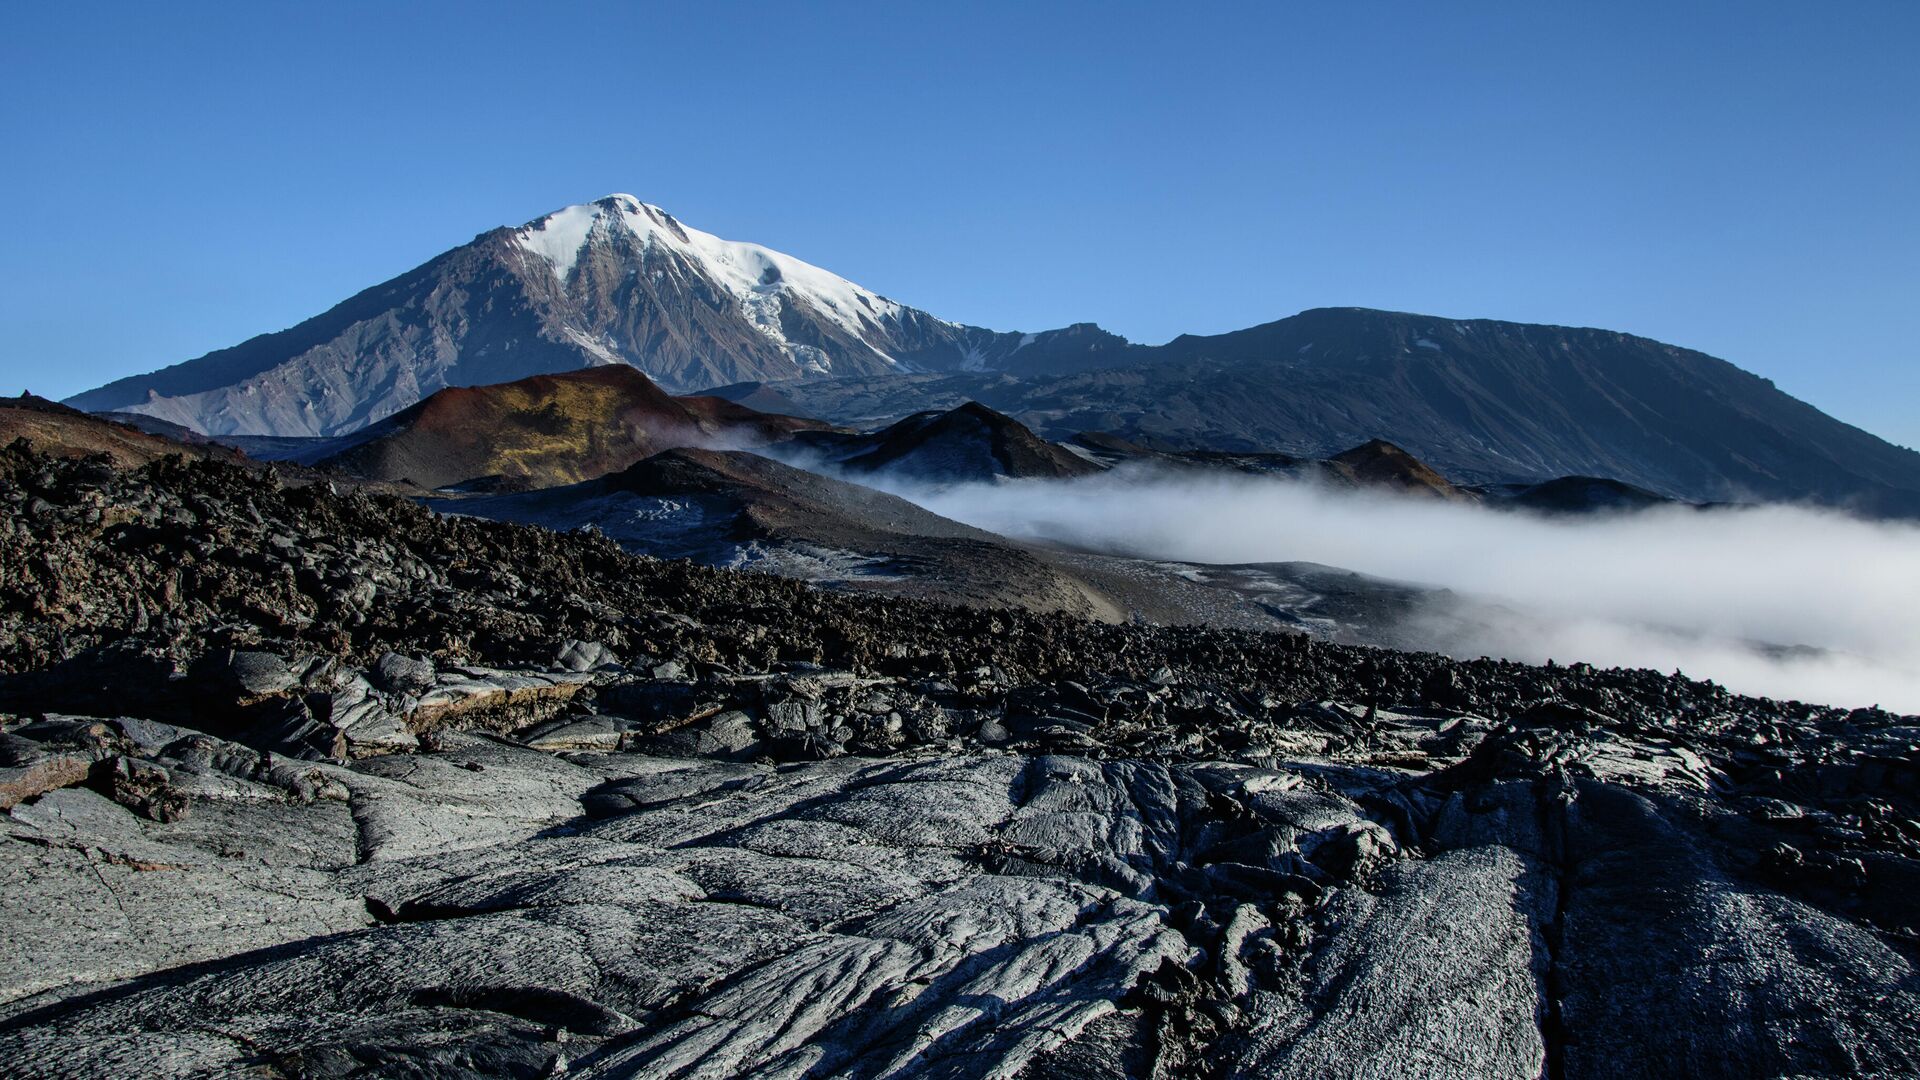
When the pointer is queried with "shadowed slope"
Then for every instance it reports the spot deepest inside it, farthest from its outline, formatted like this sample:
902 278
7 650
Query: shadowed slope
739 509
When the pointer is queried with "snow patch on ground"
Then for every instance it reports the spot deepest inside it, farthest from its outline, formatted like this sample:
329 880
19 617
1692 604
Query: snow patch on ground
1083 453
812 359
598 348
677 527
559 236
662 526
810 562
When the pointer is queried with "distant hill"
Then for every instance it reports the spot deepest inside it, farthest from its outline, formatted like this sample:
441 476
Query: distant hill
548 430
968 443
1583 494
1380 464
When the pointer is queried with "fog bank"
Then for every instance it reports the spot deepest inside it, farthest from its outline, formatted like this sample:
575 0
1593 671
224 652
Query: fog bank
1704 592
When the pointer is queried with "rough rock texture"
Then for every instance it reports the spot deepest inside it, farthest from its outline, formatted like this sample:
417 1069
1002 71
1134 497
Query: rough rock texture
404 795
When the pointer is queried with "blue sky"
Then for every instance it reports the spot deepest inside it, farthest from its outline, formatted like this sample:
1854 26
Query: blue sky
1737 177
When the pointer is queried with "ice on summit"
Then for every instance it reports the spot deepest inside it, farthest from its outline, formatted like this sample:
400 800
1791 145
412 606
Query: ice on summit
559 237
761 279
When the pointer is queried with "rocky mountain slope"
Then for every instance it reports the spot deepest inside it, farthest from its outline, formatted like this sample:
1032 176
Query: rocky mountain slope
615 281
308 784
1481 401
548 430
743 511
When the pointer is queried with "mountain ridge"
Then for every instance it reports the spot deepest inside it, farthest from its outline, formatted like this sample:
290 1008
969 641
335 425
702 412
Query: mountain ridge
1484 401
619 281
612 281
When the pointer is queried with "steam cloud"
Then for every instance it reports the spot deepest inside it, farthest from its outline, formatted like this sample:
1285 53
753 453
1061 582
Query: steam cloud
1713 593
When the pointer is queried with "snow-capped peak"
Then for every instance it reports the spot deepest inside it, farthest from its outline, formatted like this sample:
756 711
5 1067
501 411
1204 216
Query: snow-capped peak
559 237
758 276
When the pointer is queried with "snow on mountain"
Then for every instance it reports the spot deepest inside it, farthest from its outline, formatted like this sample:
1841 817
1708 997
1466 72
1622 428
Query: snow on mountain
560 236
608 282
759 278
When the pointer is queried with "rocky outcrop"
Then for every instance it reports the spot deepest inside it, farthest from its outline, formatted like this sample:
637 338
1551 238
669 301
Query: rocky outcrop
1581 495
1434 894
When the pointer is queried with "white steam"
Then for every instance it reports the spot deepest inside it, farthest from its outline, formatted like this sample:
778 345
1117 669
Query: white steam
1713 593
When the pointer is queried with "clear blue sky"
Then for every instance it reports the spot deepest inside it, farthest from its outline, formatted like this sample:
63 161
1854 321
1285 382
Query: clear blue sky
1742 178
